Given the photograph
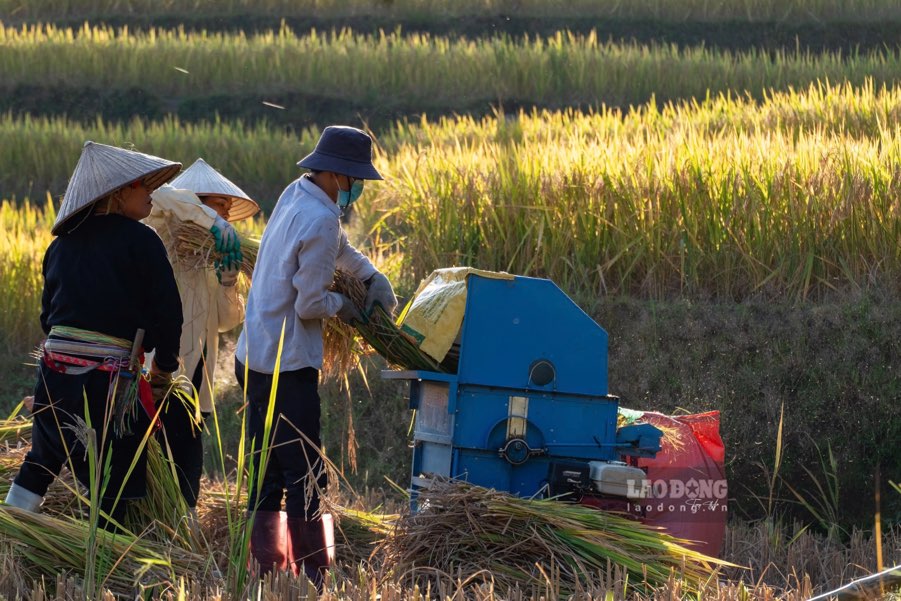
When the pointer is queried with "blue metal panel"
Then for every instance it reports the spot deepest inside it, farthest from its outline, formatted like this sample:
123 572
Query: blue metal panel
508 325
569 426
527 480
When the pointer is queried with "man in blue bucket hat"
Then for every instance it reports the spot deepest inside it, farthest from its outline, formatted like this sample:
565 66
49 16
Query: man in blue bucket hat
302 246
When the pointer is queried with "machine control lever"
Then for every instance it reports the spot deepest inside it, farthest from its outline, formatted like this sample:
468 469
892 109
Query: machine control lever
517 451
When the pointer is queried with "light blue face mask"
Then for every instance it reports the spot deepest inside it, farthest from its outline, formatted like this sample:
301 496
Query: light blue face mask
348 197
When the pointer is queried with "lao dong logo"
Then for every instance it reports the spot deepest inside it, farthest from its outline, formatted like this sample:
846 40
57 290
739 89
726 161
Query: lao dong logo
692 496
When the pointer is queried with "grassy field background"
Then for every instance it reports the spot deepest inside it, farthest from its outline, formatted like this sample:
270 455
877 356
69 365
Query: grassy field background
378 78
716 183
678 10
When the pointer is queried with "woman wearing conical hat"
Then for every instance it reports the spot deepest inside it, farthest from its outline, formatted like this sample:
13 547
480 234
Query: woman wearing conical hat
210 301
109 295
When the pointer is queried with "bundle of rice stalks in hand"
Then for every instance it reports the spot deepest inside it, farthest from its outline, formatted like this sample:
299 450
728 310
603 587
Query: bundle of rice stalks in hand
195 248
340 348
379 330
517 543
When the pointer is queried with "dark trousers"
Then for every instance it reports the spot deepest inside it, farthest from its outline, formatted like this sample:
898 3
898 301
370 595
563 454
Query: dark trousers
57 436
294 469
181 436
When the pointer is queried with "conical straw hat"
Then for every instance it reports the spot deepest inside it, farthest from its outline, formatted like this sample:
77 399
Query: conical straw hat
200 179
103 169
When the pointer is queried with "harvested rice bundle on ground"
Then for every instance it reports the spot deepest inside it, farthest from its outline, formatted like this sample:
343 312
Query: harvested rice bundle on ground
195 248
54 544
359 532
159 516
491 536
380 331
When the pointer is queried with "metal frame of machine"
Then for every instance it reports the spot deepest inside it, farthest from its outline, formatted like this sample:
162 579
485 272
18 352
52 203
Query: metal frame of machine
528 411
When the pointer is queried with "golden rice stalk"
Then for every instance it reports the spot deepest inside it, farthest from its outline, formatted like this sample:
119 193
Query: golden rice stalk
379 330
341 349
358 533
516 543
162 513
195 248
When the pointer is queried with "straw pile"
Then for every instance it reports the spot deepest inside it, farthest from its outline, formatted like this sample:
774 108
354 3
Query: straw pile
519 543
195 248
53 544
159 546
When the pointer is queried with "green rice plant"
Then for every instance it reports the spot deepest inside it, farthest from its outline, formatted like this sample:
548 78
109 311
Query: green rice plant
239 517
41 152
743 10
823 498
418 72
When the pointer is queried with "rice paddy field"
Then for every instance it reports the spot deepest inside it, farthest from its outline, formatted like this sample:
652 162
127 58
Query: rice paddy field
745 10
731 215
391 73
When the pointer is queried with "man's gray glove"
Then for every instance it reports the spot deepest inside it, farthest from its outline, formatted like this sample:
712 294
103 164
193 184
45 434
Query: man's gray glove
381 292
348 313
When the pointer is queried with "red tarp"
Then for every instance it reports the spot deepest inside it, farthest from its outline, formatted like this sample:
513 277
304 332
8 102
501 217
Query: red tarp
688 480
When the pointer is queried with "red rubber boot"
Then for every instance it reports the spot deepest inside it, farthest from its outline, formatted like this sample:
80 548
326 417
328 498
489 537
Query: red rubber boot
269 541
307 549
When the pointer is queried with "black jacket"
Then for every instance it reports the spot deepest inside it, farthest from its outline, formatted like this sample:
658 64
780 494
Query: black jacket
112 275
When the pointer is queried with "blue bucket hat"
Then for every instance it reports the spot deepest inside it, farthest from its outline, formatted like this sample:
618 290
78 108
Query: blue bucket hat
344 150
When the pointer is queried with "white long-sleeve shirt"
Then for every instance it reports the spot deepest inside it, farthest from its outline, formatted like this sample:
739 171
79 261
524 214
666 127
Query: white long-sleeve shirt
302 246
208 308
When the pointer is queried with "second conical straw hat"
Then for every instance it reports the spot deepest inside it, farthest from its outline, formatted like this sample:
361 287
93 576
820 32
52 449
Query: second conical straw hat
101 170
201 178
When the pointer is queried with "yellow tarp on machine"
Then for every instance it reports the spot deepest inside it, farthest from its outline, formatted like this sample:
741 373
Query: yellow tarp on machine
434 316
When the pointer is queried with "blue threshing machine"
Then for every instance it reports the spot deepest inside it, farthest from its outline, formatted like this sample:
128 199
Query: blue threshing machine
528 411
